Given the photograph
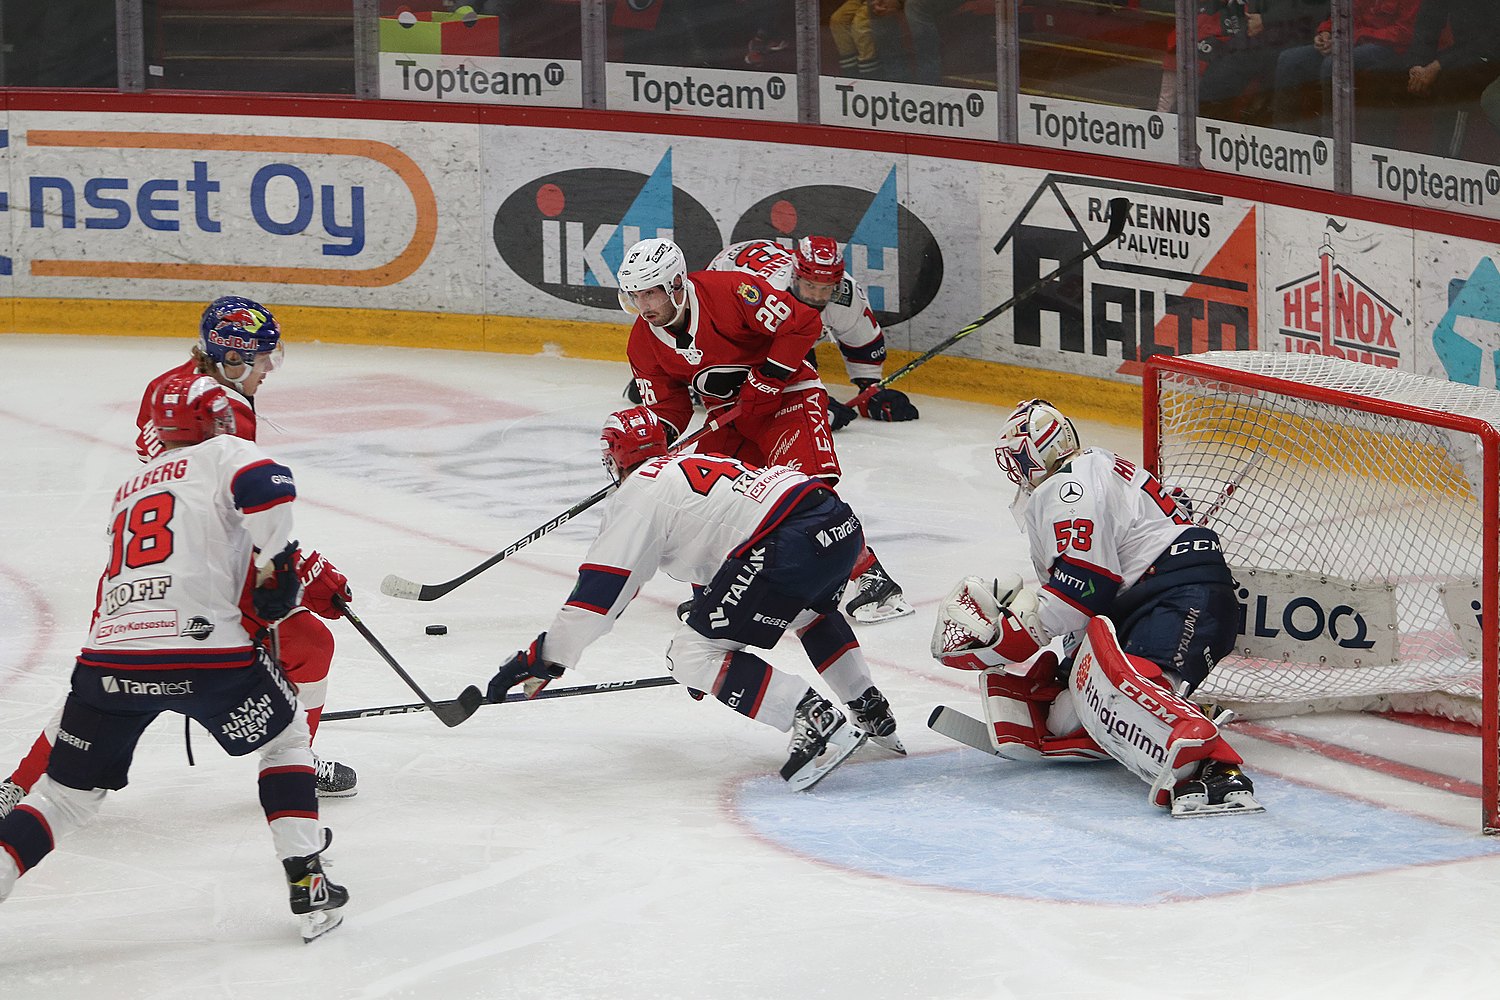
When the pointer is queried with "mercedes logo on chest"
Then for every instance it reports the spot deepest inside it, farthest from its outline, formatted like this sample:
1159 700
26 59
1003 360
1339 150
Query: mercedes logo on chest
1071 492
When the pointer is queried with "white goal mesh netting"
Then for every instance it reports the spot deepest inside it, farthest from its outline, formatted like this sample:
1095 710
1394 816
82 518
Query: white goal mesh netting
1356 536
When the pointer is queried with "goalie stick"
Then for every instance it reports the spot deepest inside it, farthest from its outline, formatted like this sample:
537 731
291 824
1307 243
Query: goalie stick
1119 208
546 692
955 725
409 590
449 713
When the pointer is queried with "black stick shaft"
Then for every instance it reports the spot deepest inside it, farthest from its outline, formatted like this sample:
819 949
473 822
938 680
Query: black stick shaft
546 692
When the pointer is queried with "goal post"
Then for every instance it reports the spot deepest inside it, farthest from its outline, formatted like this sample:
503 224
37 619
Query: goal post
1359 509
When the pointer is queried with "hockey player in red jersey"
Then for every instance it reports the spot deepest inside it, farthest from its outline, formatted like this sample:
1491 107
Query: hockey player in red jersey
733 339
204 530
1142 602
239 344
814 272
771 547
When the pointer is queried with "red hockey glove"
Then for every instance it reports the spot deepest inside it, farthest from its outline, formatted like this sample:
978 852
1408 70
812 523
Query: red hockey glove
321 583
760 398
275 595
526 668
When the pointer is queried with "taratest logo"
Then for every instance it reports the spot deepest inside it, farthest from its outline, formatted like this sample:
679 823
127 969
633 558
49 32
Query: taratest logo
887 248
566 233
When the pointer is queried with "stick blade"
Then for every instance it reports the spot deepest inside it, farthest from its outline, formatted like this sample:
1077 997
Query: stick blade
1119 211
457 712
400 586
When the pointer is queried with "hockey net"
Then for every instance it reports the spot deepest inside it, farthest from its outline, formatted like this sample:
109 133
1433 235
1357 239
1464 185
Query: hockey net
1357 508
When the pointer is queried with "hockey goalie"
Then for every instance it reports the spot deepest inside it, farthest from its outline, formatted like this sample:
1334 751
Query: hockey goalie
1135 609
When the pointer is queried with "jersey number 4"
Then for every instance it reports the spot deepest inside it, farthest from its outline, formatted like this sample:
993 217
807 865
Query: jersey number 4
702 473
150 539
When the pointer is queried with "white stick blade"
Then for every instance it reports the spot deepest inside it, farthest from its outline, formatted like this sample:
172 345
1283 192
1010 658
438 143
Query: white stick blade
400 586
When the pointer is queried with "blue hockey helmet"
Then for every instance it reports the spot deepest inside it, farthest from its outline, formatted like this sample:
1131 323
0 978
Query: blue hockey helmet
236 330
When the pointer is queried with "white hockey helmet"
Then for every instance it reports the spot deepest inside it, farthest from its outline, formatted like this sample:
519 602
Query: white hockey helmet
1035 442
654 263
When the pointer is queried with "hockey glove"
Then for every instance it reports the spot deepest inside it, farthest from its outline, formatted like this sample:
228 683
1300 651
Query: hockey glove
839 415
760 398
279 591
890 405
321 583
526 668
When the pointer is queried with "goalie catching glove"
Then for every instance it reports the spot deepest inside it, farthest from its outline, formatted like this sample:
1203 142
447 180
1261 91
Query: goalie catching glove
528 669
983 624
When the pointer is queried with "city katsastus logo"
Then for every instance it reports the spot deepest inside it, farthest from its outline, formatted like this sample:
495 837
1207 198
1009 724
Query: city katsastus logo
887 248
566 233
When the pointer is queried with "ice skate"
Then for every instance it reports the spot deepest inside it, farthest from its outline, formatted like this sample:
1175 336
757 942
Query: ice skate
10 794
1217 789
317 901
822 739
876 597
872 713
335 780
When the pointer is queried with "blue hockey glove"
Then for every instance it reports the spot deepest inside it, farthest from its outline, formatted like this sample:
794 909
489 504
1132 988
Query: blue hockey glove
526 668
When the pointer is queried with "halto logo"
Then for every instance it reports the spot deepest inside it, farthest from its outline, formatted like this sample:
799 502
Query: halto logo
566 233
887 248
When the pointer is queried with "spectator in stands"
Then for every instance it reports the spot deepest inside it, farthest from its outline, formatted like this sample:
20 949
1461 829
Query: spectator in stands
886 21
922 23
850 26
1460 71
1382 34
1490 102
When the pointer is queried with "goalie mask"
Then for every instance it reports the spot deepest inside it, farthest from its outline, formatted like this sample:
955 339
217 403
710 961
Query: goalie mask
187 409
1034 443
629 438
652 264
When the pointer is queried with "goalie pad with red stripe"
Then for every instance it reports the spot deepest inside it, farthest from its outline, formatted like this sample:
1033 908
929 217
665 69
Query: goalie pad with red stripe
1159 737
983 624
1016 707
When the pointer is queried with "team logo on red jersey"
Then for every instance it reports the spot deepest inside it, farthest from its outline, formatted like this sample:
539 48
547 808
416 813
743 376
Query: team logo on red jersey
749 293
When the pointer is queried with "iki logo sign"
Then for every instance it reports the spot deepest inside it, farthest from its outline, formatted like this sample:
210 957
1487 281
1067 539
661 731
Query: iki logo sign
887 249
567 233
1333 312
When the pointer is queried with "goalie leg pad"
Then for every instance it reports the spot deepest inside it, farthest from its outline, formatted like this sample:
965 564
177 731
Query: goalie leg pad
1017 707
1158 736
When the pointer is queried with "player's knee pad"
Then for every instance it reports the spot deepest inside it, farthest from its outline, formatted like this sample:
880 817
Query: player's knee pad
305 646
1158 736
741 604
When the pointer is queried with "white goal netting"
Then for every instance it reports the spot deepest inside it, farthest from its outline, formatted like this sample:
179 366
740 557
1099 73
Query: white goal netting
1356 536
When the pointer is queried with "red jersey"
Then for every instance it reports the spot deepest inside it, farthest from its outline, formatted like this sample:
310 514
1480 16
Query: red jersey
737 322
148 444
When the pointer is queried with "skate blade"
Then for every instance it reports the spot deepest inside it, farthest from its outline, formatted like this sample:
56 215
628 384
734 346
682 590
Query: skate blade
1235 804
841 743
872 614
891 743
344 793
319 922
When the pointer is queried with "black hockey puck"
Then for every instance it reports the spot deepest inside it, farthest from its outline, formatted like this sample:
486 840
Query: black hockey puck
437 630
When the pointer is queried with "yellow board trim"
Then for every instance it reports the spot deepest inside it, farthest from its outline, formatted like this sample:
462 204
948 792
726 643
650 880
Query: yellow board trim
948 377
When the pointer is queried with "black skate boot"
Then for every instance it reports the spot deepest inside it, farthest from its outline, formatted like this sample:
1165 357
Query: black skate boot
1219 788
316 901
872 713
876 597
335 780
821 740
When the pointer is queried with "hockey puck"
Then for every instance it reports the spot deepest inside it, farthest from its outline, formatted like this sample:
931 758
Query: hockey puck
437 630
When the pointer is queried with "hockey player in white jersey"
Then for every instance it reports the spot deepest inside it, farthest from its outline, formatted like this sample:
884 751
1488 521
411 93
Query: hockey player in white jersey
1143 606
196 537
773 548
814 272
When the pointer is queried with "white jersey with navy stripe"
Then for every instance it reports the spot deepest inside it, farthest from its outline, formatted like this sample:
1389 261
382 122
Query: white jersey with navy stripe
181 536
682 515
1094 527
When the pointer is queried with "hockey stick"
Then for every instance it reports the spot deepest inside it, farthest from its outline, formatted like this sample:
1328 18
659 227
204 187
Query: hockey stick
409 590
449 713
1119 208
546 692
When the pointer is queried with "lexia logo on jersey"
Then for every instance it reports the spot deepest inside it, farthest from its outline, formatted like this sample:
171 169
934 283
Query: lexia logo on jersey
1332 311
1180 279
567 233
887 248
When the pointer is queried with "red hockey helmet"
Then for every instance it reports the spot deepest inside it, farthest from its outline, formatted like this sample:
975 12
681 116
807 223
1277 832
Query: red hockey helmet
190 408
629 438
818 259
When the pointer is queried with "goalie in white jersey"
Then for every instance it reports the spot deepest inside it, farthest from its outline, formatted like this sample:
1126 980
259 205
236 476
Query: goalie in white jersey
1143 605
197 537
774 549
